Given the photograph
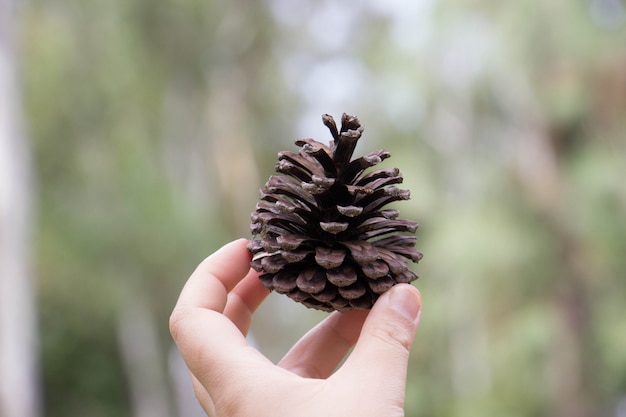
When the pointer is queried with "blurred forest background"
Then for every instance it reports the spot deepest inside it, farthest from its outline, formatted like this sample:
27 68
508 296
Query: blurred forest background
134 136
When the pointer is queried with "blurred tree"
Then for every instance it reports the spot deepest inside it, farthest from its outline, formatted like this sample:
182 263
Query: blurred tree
144 120
19 385
529 113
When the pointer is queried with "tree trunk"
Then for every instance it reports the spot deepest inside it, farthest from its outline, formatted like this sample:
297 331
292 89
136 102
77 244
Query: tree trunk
19 385
141 354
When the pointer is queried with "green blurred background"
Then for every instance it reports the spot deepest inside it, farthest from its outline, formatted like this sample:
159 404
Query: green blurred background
151 126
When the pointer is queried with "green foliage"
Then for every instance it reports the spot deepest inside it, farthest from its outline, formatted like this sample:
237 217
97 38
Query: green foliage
154 125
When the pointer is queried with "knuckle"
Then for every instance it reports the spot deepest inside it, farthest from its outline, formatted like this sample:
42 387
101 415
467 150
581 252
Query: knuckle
176 321
393 335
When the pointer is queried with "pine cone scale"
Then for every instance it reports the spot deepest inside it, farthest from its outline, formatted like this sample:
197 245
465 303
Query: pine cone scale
329 258
352 292
342 276
362 251
311 281
283 282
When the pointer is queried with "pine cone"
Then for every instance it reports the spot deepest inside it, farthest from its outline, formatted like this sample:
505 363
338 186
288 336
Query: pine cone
320 233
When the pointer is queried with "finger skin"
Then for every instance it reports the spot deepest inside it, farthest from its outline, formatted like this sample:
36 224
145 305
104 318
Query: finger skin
320 351
244 299
211 344
381 354
203 396
216 276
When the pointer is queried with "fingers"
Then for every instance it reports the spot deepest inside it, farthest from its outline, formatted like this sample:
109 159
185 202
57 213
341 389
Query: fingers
216 276
317 354
211 283
381 354
203 397
244 299
212 346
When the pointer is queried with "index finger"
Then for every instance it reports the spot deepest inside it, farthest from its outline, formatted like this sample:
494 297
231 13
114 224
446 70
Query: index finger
209 285
214 349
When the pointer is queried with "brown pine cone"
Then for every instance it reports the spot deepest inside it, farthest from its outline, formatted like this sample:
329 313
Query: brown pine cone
320 232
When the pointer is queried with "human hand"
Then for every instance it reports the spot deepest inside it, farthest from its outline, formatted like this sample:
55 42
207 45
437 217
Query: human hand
231 379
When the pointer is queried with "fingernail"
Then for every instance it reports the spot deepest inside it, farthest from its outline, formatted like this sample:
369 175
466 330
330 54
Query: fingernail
406 301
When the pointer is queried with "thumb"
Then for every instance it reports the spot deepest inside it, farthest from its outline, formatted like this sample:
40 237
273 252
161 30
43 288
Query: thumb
381 354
